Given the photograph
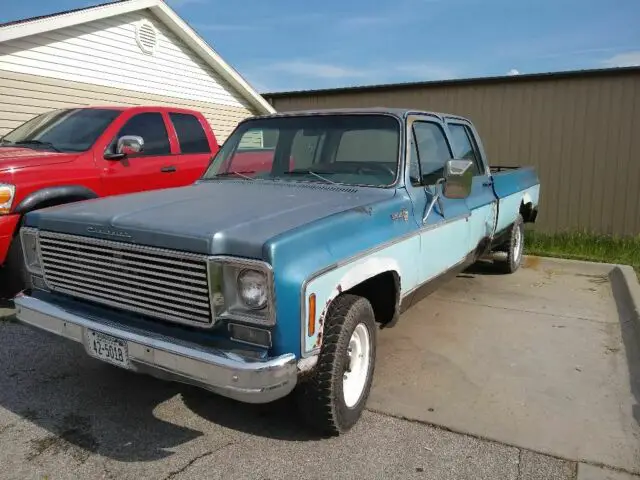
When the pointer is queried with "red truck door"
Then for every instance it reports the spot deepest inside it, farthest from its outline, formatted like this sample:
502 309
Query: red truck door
196 147
154 168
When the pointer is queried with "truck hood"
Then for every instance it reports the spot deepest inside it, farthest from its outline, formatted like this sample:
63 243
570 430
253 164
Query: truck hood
222 217
18 157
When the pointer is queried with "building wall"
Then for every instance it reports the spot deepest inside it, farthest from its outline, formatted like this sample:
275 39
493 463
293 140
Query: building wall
101 62
582 132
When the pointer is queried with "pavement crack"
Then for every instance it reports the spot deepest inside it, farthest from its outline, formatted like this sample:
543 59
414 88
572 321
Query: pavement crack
197 458
534 312
519 470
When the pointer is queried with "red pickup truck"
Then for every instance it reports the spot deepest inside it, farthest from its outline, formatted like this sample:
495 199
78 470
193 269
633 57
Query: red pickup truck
82 153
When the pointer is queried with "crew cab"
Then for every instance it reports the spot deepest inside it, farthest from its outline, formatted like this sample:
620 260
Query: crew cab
83 153
260 284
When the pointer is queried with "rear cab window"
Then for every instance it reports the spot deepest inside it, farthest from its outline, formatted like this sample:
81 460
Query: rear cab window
191 135
464 146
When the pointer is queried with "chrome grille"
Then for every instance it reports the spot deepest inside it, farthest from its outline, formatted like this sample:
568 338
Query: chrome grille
160 283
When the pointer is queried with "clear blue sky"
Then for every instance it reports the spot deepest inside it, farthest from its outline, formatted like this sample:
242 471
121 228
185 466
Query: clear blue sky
296 44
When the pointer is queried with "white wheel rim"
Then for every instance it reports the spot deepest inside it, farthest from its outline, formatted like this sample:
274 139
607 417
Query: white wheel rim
517 247
355 376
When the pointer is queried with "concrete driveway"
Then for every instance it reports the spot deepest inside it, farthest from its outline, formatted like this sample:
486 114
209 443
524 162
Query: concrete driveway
529 376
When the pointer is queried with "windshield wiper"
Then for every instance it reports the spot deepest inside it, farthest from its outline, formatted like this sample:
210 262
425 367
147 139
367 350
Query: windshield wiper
310 172
38 142
239 174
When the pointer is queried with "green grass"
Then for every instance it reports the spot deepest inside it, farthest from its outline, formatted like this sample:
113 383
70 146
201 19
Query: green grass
585 246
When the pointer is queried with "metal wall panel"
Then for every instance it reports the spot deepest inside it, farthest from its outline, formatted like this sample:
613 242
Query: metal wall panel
581 131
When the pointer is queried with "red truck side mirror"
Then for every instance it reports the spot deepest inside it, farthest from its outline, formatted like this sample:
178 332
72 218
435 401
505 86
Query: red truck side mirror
127 145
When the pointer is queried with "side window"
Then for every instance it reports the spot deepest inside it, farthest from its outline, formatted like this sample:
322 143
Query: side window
433 150
191 135
463 146
150 126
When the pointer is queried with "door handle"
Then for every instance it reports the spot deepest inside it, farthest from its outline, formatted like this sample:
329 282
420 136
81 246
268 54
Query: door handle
168 169
487 184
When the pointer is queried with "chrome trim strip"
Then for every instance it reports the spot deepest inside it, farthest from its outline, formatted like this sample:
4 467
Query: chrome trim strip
341 263
225 373
124 245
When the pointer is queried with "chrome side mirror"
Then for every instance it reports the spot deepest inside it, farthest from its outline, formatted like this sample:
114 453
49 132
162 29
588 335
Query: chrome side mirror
129 145
458 179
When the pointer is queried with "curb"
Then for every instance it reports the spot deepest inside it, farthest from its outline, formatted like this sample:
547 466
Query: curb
626 289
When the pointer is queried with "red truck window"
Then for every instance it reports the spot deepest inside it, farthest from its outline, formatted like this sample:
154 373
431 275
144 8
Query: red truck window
190 133
150 126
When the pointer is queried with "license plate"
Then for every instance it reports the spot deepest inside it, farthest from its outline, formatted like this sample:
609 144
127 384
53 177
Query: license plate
107 348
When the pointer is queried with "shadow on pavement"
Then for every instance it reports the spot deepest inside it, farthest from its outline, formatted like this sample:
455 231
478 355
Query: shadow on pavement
91 407
630 339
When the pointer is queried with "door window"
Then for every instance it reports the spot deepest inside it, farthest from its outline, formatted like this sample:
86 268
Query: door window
432 149
150 126
191 135
463 146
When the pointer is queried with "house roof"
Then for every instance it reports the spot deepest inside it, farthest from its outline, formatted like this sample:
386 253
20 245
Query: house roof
35 25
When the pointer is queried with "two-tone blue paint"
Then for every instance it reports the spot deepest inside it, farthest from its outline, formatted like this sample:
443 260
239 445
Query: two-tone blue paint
334 254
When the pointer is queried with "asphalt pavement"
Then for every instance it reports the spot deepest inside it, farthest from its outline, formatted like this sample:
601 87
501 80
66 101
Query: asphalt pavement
529 376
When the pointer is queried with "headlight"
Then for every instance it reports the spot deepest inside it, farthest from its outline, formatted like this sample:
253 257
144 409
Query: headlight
252 289
31 250
241 290
7 192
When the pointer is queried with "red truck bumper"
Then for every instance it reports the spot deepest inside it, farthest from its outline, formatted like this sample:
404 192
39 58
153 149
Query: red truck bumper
8 224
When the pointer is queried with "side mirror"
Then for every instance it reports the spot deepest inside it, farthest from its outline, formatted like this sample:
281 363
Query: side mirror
129 145
458 179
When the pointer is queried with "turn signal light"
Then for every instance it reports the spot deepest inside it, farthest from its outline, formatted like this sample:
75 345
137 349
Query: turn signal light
311 327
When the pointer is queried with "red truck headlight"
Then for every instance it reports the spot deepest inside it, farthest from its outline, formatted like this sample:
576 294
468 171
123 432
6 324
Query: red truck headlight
7 192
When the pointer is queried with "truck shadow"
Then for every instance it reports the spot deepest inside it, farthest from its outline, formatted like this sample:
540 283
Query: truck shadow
631 340
89 407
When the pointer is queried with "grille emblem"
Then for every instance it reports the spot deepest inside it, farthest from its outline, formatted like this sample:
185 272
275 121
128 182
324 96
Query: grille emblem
109 232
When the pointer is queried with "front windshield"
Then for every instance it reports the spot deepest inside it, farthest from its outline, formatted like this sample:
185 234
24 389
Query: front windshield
69 130
344 149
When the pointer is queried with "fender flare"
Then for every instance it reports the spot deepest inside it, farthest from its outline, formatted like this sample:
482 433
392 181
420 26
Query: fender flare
46 195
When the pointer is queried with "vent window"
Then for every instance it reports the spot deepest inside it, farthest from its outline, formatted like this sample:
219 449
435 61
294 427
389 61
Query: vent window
147 37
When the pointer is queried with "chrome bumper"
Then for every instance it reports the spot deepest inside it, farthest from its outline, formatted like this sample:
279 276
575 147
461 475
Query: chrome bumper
225 373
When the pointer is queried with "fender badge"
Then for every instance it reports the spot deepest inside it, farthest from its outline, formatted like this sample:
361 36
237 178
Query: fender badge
401 215
109 232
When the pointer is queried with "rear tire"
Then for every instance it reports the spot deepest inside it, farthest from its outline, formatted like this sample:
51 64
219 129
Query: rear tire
14 272
332 400
514 247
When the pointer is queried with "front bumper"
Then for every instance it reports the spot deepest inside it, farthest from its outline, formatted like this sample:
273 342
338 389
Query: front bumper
8 224
225 373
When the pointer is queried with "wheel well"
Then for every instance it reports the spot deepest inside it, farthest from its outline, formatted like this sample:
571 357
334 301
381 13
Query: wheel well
528 212
383 292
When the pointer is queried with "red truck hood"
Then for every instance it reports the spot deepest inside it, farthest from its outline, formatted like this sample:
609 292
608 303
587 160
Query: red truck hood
18 157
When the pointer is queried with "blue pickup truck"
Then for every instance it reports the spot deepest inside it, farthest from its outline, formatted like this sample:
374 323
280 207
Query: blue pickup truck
257 284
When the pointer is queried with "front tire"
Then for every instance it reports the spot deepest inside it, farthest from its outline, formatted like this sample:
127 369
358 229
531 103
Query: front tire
333 399
514 247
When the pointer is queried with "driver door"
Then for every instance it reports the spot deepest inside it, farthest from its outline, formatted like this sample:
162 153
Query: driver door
444 233
155 167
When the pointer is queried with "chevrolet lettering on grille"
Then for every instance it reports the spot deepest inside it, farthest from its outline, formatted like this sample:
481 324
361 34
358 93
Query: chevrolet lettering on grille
109 232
